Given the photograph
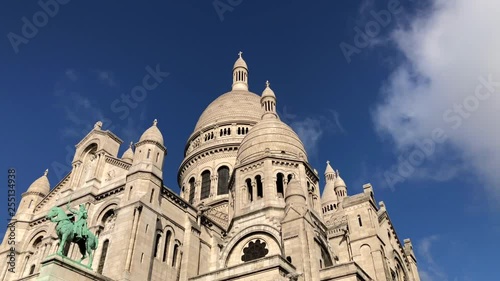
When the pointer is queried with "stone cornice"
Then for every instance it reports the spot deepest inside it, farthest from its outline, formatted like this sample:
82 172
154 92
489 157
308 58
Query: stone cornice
117 162
161 146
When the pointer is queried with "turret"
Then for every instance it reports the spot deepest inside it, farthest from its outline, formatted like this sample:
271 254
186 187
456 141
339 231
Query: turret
240 74
148 162
329 199
294 193
340 187
149 152
35 193
268 103
128 155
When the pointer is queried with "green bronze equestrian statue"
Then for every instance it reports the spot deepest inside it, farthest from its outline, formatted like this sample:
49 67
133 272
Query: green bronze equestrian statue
77 232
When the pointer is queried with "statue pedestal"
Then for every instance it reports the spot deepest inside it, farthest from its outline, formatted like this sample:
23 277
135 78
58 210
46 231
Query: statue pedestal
57 268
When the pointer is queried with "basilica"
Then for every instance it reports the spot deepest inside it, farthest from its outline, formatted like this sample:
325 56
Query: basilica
249 208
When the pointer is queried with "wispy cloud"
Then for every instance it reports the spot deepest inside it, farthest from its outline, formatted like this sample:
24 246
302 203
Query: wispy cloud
106 77
437 86
311 129
71 75
429 270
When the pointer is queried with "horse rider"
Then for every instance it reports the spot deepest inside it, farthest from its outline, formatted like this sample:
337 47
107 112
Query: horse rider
80 221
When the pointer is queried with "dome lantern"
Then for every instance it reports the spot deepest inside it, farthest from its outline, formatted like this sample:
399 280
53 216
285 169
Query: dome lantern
240 74
268 103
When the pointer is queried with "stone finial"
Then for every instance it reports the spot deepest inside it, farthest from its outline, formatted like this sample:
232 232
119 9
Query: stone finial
268 84
240 53
98 125
327 162
155 122
131 144
46 172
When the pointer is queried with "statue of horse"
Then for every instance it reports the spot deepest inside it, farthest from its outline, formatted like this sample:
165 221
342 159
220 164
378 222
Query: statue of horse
65 231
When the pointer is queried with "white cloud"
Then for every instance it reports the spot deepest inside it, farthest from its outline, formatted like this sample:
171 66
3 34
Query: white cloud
106 77
429 270
311 129
447 50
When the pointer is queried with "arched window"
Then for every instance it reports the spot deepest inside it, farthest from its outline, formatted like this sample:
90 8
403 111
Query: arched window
157 156
191 190
205 184
223 180
260 191
249 189
327 261
279 185
108 219
289 177
359 221
102 260
254 250
174 255
31 202
229 131
32 269
157 244
149 153
167 245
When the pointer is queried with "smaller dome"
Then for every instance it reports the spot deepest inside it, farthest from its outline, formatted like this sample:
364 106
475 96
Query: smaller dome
152 134
128 155
271 137
268 92
294 189
41 185
339 182
240 62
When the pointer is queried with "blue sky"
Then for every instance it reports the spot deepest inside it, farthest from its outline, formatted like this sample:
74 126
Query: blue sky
408 104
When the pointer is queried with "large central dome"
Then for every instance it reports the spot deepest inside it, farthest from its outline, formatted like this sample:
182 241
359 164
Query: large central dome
233 107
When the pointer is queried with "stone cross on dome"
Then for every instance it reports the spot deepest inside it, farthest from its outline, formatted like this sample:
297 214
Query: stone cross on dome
267 83
240 53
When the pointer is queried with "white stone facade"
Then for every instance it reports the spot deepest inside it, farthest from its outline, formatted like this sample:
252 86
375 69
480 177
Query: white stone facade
249 208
